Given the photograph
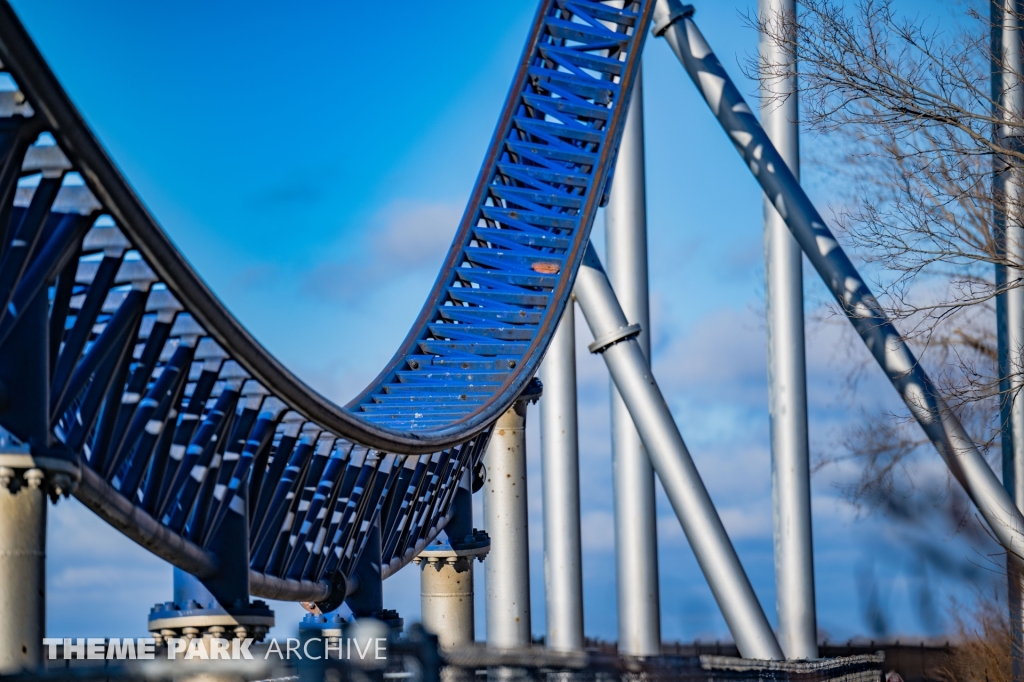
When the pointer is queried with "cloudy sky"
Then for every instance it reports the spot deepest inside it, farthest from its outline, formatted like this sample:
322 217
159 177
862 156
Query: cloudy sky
312 161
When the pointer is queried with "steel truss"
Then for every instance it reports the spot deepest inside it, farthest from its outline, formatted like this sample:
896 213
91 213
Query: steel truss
187 434
118 366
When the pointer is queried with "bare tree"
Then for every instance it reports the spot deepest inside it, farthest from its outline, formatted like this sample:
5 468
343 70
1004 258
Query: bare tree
910 112
984 644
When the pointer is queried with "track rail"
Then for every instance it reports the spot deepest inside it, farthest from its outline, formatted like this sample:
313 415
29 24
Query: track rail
125 363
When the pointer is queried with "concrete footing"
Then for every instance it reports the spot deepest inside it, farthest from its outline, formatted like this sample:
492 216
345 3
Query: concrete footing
22 568
446 592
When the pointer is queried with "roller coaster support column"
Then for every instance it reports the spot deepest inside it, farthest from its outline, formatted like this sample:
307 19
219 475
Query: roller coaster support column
22 568
636 538
563 572
196 612
883 340
25 483
218 606
446 595
446 573
1008 92
616 340
368 599
506 516
787 372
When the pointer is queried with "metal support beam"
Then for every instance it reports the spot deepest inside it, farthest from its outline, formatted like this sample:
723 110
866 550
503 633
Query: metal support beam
507 569
636 538
1008 94
230 544
368 599
188 588
890 350
102 498
616 340
22 568
787 373
217 603
460 525
563 563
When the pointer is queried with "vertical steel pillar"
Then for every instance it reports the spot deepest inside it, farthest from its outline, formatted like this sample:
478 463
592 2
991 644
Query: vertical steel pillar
368 599
563 571
615 340
636 539
460 526
919 393
507 568
787 380
1008 92
22 568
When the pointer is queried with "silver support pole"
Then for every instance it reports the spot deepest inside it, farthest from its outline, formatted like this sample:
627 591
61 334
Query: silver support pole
636 538
563 563
616 340
1010 98
22 569
787 372
890 350
507 569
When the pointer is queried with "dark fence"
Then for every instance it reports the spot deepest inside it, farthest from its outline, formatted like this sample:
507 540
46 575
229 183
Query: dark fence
915 662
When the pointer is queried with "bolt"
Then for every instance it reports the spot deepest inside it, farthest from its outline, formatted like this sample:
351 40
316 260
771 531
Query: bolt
61 484
35 477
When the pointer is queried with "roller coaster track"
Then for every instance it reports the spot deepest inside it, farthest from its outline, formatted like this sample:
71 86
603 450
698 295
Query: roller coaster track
117 362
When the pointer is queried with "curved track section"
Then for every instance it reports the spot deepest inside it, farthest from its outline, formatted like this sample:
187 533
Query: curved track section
116 358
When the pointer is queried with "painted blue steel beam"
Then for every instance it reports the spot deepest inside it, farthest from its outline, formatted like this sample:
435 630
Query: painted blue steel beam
183 424
507 275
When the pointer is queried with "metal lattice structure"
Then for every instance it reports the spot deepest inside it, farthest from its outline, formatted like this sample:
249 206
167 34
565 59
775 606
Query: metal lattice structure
180 426
125 379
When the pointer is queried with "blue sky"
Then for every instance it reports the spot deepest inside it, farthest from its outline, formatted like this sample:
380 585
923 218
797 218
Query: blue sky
312 160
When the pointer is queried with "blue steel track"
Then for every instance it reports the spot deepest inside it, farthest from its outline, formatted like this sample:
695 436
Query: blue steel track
119 363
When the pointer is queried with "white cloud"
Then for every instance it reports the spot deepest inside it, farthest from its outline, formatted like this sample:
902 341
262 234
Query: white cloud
404 238
413 234
99 583
743 523
722 356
